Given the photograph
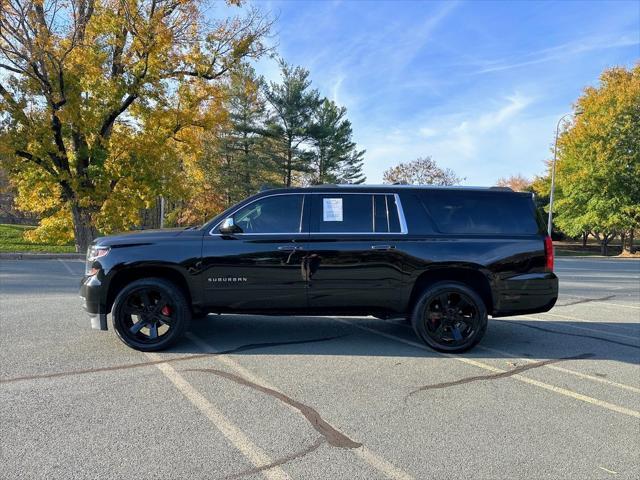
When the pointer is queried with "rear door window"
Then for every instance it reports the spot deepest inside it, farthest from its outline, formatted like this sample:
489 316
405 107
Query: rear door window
355 213
481 212
340 213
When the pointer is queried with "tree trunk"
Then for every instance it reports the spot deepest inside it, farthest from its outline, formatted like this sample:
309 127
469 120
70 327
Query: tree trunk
83 230
585 236
289 158
604 244
627 241
623 241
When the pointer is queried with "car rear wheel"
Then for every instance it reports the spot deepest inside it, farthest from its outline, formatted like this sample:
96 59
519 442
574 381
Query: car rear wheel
150 314
450 317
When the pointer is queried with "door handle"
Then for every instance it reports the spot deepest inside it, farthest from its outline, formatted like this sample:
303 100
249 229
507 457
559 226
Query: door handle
289 248
382 247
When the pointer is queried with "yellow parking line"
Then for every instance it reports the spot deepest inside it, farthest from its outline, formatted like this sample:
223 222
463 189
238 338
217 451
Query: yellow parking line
552 388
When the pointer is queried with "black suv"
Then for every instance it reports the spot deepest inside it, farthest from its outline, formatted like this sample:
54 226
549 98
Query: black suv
443 258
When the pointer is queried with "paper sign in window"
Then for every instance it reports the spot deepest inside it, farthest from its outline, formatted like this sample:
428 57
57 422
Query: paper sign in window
332 209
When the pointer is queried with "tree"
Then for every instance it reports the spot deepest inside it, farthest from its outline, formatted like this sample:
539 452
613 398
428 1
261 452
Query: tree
335 158
517 183
236 160
293 103
598 163
99 95
422 171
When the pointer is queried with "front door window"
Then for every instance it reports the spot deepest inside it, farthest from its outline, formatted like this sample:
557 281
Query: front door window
275 214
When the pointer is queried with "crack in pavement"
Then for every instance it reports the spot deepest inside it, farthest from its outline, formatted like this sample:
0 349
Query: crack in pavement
496 376
276 463
333 436
585 300
523 324
241 348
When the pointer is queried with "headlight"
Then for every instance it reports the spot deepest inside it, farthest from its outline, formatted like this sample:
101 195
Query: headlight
93 253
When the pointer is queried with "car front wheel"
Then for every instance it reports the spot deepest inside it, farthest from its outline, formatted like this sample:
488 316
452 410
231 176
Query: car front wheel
150 314
450 317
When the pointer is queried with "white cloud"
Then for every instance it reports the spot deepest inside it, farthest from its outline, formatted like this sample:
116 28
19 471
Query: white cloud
477 147
428 132
562 52
335 89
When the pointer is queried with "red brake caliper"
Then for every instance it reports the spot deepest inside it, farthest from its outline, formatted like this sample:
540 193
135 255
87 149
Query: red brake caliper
166 311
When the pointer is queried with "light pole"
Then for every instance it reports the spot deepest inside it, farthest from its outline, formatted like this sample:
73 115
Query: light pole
553 166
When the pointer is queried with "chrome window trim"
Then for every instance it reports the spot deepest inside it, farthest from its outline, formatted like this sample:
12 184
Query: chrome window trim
386 208
403 222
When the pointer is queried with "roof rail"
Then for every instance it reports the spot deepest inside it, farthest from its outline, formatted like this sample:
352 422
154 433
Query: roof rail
505 189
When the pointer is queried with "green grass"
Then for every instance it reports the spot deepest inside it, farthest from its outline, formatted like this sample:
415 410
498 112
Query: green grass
12 240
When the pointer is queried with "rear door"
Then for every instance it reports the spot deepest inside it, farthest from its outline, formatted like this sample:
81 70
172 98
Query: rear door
352 259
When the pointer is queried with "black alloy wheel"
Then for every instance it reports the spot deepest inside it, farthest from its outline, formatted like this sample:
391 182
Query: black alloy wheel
150 314
450 317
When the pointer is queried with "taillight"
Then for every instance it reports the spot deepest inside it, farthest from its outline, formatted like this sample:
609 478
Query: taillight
548 254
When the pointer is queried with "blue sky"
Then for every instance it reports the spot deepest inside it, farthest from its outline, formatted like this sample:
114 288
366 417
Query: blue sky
477 85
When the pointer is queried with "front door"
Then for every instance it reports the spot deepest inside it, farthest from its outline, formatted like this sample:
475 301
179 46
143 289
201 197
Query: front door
352 261
259 268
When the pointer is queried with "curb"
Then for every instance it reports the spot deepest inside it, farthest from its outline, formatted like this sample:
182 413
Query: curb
40 256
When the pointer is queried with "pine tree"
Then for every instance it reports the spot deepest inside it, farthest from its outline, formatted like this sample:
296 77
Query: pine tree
293 105
335 158
236 161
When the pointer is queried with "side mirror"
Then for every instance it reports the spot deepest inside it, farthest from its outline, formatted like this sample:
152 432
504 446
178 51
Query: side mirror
228 227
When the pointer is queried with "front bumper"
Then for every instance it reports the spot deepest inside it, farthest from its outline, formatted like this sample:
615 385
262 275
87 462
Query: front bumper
90 291
524 294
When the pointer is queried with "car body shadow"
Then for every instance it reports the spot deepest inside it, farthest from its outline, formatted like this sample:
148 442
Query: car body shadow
367 336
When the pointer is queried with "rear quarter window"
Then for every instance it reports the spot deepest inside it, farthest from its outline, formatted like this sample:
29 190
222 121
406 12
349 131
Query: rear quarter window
477 213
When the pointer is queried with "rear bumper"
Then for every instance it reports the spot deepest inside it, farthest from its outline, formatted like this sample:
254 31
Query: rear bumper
527 293
90 291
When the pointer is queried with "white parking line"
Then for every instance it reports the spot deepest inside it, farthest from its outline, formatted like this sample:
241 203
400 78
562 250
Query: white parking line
546 386
236 436
617 324
564 370
75 274
380 464
568 325
598 301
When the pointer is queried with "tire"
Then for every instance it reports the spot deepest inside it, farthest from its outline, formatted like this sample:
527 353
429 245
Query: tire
150 314
450 317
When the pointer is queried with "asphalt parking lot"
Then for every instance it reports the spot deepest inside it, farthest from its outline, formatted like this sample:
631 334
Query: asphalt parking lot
553 395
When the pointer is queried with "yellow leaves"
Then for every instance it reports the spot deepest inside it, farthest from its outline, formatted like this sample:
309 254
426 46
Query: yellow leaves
599 156
56 229
134 86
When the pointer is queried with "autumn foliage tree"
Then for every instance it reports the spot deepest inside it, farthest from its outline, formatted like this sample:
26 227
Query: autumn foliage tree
422 171
100 99
598 163
517 183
